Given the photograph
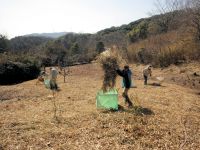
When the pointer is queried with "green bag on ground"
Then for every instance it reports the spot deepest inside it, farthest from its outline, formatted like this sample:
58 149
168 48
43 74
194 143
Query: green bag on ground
50 84
47 83
107 100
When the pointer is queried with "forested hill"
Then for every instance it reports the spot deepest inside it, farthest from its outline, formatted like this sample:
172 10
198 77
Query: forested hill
161 40
25 43
165 39
135 30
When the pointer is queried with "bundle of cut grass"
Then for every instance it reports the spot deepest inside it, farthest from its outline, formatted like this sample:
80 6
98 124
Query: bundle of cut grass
109 65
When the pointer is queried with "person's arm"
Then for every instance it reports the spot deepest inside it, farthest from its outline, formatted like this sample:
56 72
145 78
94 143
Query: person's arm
131 73
119 72
150 73
143 72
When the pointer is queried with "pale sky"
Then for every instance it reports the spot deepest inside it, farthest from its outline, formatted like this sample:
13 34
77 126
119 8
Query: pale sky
20 17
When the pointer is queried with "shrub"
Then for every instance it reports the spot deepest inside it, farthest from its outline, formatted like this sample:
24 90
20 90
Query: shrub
16 72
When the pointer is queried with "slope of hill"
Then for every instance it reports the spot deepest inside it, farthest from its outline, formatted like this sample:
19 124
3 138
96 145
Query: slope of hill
161 40
168 118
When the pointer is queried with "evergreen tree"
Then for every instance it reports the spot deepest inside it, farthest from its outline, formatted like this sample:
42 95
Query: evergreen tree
100 47
4 43
75 49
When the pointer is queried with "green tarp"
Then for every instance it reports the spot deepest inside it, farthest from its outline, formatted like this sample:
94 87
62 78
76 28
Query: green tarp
107 100
47 83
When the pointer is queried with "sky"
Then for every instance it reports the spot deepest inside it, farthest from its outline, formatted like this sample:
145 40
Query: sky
20 17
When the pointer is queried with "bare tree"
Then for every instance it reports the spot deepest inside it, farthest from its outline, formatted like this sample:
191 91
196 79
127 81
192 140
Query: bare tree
193 8
168 10
188 11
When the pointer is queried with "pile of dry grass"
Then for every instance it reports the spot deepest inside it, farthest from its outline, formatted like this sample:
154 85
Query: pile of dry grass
110 60
109 65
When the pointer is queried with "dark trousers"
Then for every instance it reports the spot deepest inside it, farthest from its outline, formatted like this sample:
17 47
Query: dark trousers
53 85
145 80
127 99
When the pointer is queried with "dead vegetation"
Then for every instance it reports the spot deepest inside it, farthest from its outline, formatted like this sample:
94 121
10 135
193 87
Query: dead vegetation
164 49
110 60
109 66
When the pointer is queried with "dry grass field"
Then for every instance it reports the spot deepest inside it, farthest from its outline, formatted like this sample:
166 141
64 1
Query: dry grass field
164 117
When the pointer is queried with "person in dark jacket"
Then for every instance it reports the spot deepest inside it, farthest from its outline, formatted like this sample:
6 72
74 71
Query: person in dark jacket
126 74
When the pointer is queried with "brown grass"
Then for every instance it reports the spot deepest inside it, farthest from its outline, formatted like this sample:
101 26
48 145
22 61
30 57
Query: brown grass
165 49
26 123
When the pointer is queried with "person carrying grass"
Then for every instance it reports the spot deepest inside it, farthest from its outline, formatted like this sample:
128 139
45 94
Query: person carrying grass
126 83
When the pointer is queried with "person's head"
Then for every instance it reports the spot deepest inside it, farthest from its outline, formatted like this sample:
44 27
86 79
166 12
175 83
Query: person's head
150 66
42 72
126 67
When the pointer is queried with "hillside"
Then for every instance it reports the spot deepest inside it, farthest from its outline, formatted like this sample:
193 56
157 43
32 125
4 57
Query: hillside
161 40
27 43
168 118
